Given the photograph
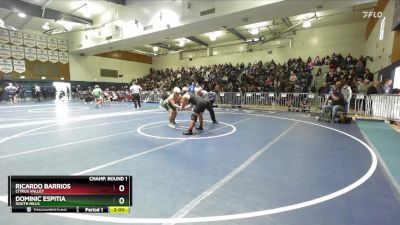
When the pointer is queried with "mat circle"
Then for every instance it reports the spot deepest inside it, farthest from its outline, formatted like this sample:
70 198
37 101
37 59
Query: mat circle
141 128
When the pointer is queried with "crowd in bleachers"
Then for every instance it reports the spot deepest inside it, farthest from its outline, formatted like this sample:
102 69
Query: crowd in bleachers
295 75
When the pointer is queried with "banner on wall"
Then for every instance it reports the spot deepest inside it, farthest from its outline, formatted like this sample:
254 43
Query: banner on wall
30 54
19 65
29 40
42 55
63 57
4 36
53 56
41 41
52 44
62 45
16 38
6 65
5 51
17 52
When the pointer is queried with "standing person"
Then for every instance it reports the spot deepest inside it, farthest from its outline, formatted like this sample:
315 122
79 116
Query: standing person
36 90
12 92
73 92
97 95
68 92
347 94
78 91
135 91
200 105
171 105
211 98
54 92
191 87
22 92
386 87
362 87
368 75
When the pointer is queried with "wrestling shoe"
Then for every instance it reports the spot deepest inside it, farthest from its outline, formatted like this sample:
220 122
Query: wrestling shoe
188 132
199 128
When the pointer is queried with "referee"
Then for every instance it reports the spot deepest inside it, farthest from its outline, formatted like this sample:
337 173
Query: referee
135 91
207 96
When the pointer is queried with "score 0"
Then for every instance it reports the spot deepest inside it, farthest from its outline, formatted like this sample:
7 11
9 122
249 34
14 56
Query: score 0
121 188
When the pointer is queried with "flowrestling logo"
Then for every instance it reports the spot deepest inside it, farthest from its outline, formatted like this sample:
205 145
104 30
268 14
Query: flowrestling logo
372 14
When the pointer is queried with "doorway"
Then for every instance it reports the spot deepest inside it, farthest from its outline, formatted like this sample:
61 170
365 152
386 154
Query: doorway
63 91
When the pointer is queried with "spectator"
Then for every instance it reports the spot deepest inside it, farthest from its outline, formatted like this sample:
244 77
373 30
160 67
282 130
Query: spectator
337 103
293 77
338 86
368 75
349 59
362 87
387 87
324 89
372 90
347 94
352 75
191 87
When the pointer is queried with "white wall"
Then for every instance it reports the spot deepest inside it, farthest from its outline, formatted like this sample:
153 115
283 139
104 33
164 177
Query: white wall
346 38
381 50
87 68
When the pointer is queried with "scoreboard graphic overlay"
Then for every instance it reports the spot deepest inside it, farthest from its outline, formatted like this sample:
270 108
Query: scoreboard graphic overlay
73 194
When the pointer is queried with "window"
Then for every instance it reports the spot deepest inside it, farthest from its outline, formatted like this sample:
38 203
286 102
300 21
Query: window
382 30
396 82
108 73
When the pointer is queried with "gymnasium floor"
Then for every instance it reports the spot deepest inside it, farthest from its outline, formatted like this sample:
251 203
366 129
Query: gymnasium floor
253 167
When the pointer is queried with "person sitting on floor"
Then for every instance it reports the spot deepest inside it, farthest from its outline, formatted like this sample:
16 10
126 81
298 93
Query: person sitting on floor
337 103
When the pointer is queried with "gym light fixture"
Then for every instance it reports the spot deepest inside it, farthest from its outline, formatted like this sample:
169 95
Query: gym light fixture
307 24
46 26
181 43
68 26
86 12
21 14
254 31
213 36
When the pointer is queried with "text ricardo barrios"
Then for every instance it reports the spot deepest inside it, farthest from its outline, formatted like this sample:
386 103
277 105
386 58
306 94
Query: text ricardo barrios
38 189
